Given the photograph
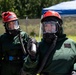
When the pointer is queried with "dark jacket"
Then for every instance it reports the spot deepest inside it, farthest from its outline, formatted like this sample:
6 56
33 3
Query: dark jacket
60 61
11 54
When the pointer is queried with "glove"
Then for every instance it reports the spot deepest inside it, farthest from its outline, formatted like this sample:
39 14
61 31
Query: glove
32 48
73 72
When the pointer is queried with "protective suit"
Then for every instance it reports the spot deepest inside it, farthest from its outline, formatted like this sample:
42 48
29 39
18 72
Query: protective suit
11 52
61 50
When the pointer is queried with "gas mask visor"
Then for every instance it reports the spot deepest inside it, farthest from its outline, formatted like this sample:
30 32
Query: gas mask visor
12 25
50 27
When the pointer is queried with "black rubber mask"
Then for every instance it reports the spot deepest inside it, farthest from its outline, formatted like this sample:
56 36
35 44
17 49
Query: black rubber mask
49 37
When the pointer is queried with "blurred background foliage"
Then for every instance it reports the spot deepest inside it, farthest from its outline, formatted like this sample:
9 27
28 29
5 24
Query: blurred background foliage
30 8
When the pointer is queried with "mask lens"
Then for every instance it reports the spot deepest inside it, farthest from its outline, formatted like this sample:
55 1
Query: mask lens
49 27
12 25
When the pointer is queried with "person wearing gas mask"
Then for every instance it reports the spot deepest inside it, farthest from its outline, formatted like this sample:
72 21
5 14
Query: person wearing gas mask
13 45
56 54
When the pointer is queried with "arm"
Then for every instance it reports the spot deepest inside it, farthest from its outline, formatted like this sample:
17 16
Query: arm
74 69
74 66
31 61
23 37
30 66
0 54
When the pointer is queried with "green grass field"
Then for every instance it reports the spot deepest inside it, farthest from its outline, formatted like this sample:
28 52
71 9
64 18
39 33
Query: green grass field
72 37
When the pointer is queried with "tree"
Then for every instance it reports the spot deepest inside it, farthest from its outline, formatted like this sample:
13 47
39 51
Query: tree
30 8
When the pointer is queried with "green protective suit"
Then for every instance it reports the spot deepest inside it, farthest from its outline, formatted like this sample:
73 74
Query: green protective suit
11 54
60 61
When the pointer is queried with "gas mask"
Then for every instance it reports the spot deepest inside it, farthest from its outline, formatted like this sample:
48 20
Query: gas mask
12 27
50 28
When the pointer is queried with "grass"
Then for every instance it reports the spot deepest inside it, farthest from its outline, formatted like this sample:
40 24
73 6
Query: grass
72 37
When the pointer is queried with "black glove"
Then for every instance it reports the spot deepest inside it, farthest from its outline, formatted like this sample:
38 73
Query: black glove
32 48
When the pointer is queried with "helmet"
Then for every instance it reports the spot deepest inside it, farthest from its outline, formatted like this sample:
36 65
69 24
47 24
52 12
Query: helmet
11 23
51 14
51 25
8 16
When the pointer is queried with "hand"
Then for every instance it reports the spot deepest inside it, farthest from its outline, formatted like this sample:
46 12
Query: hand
32 48
73 72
